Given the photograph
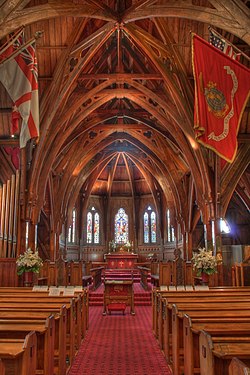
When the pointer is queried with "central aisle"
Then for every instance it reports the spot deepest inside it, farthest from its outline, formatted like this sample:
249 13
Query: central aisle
120 345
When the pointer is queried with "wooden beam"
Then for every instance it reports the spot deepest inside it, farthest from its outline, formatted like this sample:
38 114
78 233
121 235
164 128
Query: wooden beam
121 76
9 142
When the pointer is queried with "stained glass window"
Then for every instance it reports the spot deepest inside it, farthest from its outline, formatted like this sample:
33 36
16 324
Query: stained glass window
89 227
96 228
93 226
149 226
72 228
73 225
121 227
153 227
170 228
146 228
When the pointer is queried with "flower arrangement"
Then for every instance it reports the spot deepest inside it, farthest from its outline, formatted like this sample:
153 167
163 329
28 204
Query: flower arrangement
112 245
28 262
204 262
127 246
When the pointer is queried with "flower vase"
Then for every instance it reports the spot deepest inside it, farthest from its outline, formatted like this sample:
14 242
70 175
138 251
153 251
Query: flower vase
204 278
28 278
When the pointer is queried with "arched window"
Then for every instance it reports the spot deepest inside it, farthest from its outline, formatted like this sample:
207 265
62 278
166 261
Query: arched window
72 228
93 226
149 226
170 228
121 227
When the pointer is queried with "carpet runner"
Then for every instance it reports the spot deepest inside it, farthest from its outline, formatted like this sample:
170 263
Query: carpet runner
141 297
120 345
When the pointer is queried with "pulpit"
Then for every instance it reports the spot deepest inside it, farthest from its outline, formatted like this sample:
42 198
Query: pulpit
121 260
118 292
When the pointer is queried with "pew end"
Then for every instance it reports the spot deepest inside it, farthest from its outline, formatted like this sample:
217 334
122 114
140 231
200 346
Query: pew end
206 356
238 367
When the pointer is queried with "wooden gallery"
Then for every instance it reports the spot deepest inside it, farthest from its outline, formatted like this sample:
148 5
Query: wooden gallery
124 187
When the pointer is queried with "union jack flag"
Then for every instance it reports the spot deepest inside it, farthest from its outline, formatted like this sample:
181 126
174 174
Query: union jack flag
28 63
7 49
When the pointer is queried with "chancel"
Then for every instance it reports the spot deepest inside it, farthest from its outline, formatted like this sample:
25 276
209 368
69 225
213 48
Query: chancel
124 187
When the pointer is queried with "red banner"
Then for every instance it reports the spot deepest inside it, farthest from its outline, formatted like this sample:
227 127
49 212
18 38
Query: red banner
222 87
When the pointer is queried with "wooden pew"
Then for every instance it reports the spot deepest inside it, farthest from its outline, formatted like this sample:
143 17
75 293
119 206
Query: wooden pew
18 356
220 321
158 296
238 367
158 293
45 333
75 319
60 330
177 324
82 295
77 314
177 338
162 317
60 340
216 355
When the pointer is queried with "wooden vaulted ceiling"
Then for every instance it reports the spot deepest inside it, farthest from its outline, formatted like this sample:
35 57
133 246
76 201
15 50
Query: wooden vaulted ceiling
116 100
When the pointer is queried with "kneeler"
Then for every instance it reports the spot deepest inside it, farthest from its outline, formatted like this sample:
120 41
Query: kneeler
116 307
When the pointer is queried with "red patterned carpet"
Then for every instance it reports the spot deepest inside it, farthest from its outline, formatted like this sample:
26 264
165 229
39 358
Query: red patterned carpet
120 345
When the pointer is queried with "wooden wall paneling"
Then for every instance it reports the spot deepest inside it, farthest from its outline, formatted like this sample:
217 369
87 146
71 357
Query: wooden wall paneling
165 273
8 272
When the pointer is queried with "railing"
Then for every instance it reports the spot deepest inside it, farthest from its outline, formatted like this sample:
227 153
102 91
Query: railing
145 272
96 274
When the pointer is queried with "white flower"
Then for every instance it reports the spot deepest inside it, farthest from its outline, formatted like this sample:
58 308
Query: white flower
28 261
204 261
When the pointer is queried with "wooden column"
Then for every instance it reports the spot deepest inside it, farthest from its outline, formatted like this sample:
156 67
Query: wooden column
23 170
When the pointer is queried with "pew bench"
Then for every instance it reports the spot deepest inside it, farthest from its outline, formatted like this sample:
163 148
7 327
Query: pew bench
165 312
178 325
191 331
216 355
45 333
158 294
238 367
18 356
63 341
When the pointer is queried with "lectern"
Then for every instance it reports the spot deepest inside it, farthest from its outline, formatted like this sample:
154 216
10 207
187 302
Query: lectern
118 292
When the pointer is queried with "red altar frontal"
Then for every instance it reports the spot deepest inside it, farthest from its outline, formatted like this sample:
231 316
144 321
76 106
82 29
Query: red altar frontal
121 260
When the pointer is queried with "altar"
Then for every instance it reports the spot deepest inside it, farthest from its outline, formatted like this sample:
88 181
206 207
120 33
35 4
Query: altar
121 260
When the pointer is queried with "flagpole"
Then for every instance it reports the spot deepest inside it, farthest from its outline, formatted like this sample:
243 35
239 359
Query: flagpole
11 40
37 35
233 46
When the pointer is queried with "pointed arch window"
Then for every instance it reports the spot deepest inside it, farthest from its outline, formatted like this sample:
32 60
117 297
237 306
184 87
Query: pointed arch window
121 227
72 228
149 226
170 228
93 226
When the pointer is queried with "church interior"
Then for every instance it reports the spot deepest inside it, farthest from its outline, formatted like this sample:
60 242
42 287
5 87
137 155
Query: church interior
124 187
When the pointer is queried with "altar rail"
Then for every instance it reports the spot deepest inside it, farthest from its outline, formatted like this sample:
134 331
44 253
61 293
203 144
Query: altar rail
176 272
241 274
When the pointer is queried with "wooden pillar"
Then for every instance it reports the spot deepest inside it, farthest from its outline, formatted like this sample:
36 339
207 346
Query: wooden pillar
21 244
189 245
32 234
